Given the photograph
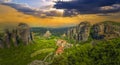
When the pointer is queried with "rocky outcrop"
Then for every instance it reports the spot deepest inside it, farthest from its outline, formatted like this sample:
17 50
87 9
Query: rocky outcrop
21 34
1 43
47 34
103 30
23 31
7 38
80 32
63 35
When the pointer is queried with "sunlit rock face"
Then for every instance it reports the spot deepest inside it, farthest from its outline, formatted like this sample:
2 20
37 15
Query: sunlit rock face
80 32
105 30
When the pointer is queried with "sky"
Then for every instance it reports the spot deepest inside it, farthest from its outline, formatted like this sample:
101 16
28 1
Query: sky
55 14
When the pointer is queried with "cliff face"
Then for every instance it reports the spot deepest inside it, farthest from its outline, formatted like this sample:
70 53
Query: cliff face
80 32
20 34
103 30
23 32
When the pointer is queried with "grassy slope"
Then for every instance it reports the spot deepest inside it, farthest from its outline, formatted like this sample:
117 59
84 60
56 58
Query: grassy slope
22 54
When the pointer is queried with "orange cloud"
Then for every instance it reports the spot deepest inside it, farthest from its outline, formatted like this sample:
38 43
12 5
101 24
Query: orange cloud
11 17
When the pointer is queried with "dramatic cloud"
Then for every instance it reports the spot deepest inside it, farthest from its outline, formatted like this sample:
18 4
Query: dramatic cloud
26 9
44 15
112 8
90 6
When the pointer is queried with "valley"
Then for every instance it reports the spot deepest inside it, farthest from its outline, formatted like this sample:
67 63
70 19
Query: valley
84 44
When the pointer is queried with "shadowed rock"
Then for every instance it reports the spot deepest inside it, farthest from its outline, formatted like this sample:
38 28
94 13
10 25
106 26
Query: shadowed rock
105 31
24 33
14 38
80 32
1 43
7 38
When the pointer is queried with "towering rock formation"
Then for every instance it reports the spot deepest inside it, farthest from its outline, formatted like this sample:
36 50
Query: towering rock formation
23 31
79 33
83 31
15 36
7 38
105 30
1 43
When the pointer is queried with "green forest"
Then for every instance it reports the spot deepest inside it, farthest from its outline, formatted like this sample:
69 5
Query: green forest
95 52
85 44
